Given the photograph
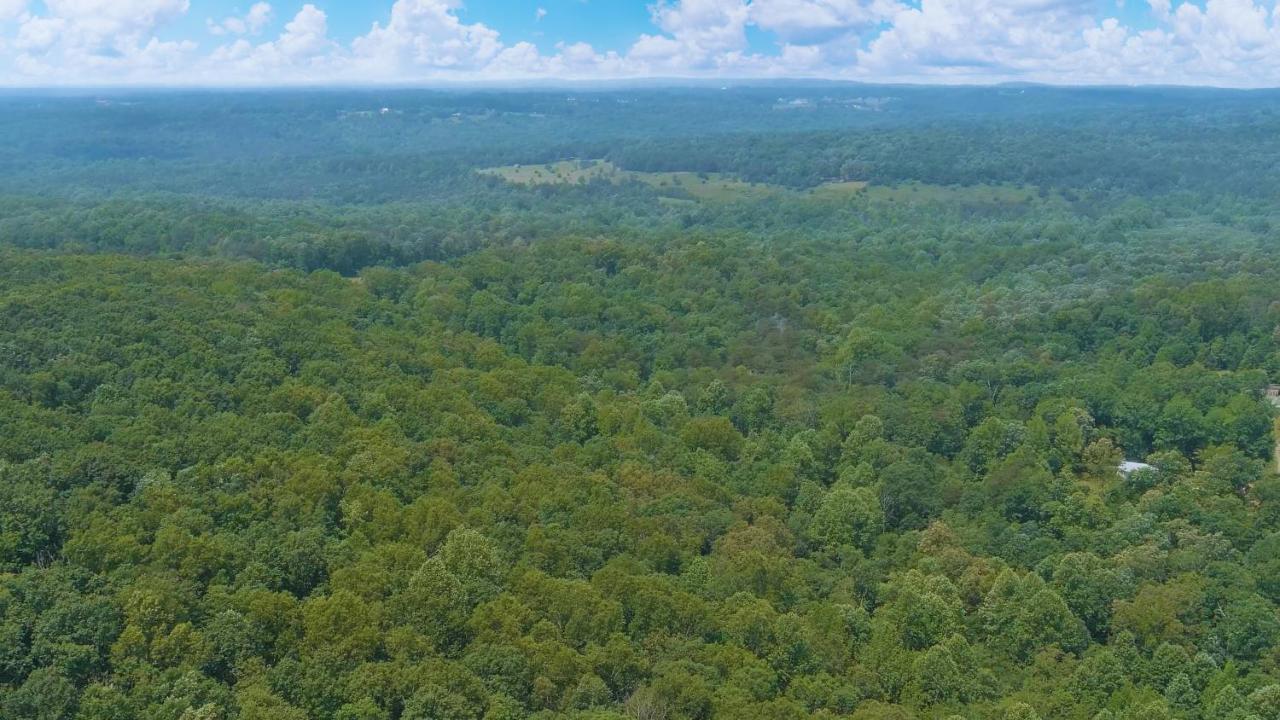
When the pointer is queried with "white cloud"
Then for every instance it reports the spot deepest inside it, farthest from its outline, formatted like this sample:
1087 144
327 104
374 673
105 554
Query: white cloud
251 23
38 35
12 9
1230 42
1226 42
574 61
306 36
105 40
302 53
115 20
699 35
423 38
960 37
806 22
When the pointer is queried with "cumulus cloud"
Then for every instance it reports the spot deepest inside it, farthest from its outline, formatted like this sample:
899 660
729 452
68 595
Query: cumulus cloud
12 9
964 36
302 52
251 23
573 61
108 39
1225 42
423 38
114 21
808 22
696 35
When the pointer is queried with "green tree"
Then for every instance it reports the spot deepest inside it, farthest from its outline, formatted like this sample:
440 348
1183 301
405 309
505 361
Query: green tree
848 516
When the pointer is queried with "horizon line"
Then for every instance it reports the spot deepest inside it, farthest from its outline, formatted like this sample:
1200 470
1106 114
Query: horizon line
652 82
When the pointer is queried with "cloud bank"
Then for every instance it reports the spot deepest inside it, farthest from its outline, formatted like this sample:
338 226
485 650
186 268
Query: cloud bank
1199 42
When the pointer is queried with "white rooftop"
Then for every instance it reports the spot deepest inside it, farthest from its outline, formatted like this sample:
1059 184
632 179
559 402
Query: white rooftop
1129 466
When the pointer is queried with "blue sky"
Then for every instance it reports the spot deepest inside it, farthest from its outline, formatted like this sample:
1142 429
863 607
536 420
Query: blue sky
608 24
286 42
605 24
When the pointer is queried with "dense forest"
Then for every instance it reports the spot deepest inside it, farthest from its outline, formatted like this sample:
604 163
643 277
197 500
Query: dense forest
356 405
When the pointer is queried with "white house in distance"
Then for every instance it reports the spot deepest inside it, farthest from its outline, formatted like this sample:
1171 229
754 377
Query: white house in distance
1272 393
1128 467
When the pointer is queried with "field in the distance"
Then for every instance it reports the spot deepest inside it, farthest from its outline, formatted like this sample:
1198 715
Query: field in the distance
717 187
712 187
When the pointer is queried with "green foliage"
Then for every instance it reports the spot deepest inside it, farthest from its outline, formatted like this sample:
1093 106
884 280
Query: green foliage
848 516
361 433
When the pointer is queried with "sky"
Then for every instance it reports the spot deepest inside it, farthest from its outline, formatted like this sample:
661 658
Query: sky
1231 43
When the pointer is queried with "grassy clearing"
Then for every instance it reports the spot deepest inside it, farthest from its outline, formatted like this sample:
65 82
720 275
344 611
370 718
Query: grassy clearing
838 190
711 187
718 188
568 172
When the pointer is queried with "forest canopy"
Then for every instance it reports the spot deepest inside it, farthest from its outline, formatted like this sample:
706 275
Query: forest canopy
651 403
